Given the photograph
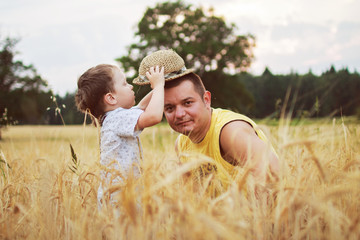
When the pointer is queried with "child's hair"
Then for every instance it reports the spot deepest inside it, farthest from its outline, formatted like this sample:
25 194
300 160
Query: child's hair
92 87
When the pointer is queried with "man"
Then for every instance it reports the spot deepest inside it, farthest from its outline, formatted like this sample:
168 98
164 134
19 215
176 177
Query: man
231 140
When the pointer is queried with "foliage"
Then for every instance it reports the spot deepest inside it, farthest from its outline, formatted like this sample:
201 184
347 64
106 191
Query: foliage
333 93
205 41
15 74
63 111
5 121
22 90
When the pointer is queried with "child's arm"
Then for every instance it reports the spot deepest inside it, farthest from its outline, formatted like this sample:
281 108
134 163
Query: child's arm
145 101
153 112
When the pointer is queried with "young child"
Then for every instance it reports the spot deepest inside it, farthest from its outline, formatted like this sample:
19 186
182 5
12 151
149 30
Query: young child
104 92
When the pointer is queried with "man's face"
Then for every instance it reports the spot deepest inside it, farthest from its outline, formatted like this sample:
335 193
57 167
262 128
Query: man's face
186 111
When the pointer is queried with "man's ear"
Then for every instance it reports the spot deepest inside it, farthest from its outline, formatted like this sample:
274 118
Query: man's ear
109 99
207 98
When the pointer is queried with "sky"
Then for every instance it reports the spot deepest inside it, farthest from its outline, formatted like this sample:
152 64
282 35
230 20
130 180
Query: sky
62 39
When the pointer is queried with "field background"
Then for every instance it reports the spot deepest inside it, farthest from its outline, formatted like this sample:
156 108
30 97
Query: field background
317 196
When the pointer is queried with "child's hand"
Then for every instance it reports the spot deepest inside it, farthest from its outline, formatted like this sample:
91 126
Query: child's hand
156 77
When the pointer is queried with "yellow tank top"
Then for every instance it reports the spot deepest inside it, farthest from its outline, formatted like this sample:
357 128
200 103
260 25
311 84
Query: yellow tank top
210 147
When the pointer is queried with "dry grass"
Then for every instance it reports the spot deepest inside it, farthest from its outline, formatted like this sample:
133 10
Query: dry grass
317 196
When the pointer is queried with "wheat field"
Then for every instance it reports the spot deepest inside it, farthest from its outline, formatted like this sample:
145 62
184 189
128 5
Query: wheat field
49 193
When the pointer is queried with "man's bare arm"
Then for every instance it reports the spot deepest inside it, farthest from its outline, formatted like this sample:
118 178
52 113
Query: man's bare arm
240 144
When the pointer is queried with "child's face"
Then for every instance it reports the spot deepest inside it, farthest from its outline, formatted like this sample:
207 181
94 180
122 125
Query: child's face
123 92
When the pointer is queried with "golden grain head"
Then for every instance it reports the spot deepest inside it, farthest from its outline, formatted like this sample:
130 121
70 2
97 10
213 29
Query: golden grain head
316 195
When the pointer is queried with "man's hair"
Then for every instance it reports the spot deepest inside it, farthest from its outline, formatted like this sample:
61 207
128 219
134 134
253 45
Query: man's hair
92 87
192 77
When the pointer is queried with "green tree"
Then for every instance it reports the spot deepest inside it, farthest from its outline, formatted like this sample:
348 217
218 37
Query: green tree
346 93
331 94
206 43
23 92
329 81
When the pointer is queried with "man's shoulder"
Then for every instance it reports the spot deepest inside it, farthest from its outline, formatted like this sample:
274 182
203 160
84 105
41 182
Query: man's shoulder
222 116
225 116
239 126
220 113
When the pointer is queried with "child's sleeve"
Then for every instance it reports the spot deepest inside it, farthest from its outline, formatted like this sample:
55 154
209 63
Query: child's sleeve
125 120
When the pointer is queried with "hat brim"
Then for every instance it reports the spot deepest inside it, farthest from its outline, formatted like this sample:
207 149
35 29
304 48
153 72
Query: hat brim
140 82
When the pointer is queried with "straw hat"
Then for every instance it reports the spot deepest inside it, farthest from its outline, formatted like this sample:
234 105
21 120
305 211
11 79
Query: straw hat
174 66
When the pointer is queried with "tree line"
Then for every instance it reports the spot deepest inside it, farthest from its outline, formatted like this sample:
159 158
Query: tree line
333 93
209 45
